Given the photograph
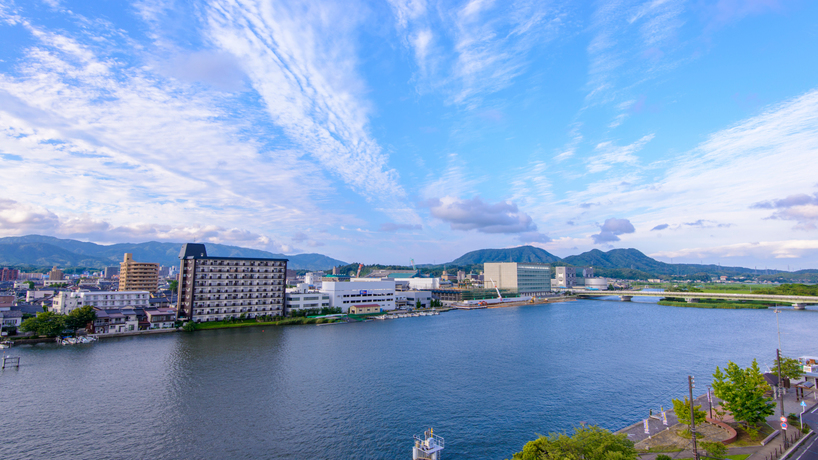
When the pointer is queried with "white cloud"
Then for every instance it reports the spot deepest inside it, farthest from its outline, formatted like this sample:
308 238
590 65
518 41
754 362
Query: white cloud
786 249
476 214
611 229
611 154
477 48
94 135
18 219
300 57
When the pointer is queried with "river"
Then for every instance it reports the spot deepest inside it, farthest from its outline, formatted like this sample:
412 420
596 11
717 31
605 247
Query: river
485 380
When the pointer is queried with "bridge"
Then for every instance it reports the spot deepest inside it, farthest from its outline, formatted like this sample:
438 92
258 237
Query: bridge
798 302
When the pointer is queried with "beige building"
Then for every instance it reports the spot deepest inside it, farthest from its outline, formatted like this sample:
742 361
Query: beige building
55 275
526 278
138 276
364 309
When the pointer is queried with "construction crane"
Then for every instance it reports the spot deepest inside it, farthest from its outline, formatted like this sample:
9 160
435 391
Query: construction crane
495 288
360 266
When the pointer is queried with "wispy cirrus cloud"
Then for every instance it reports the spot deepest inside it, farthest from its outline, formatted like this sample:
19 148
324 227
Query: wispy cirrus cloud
299 58
477 47
133 147
610 154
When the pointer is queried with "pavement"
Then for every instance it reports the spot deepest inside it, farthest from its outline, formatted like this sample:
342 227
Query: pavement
808 450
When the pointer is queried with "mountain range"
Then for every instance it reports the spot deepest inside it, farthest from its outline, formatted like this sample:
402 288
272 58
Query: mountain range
47 251
620 259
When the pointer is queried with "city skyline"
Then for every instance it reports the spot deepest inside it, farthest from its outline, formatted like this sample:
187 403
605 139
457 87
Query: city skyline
383 131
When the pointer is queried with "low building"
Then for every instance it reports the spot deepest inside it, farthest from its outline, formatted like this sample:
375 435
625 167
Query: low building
303 298
6 301
10 318
344 294
161 318
365 309
32 296
64 302
410 299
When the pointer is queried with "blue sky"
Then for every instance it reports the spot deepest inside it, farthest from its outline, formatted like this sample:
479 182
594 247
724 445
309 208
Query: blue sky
379 131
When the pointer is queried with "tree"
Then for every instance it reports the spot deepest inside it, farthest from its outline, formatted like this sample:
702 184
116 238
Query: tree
80 317
742 392
174 285
30 285
682 411
715 450
588 443
46 323
418 305
790 368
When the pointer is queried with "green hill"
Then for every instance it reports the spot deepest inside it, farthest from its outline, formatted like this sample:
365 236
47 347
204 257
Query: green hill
635 260
48 251
518 254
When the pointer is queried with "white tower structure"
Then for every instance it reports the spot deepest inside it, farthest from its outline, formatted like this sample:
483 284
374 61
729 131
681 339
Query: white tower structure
428 446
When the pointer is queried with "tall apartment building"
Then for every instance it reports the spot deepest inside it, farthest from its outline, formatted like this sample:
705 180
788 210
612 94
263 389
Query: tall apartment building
526 278
215 288
138 276
9 274
56 275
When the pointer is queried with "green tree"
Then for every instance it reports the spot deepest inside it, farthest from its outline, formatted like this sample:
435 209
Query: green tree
418 305
742 392
790 368
682 411
45 323
586 443
174 285
30 285
715 450
80 317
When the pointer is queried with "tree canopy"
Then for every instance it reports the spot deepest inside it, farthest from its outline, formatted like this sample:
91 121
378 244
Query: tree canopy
682 411
588 443
790 368
742 391
80 317
46 323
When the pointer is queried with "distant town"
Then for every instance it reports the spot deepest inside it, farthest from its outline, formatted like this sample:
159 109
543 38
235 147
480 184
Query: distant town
143 296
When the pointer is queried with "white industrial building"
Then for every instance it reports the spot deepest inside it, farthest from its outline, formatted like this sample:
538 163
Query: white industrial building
345 294
410 299
526 278
64 302
302 298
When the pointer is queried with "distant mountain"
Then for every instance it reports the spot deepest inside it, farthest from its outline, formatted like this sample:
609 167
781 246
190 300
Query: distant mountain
518 254
636 260
617 263
49 251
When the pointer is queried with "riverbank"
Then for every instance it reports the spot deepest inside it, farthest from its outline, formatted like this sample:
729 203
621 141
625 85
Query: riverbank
715 304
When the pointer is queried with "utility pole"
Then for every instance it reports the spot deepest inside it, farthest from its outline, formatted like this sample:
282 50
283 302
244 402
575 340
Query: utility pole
778 327
690 384
781 394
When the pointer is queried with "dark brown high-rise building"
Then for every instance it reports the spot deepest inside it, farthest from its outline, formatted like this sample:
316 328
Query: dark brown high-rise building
216 288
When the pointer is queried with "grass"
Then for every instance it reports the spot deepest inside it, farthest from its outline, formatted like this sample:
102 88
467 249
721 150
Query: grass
731 457
706 304
253 322
744 439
